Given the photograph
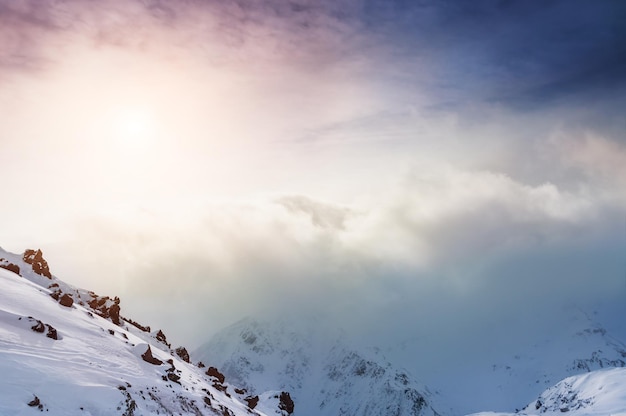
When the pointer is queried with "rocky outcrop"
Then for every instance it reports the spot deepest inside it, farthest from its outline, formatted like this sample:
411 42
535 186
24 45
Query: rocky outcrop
7 265
160 336
38 263
41 327
114 312
252 401
66 300
214 372
172 373
36 403
286 404
137 325
106 307
149 358
597 361
183 354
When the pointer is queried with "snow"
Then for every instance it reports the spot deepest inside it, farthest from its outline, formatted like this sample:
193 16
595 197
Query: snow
336 378
91 366
598 393
95 367
324 375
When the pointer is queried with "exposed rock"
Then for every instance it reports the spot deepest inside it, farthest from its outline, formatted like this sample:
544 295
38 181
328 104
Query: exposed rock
149 358
40 327
221 388
160 336
137 325
52 333
107 308
5 264
183 354
114 313
36 403
252 401
214 372
286 403
36 260
171 363
173 377
200 364
66 300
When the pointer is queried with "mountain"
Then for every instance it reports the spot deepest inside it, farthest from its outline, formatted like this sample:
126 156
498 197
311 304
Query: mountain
506 374
324 374
600 392
68 351
329 377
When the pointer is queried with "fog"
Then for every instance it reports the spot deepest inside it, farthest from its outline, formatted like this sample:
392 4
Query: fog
434 171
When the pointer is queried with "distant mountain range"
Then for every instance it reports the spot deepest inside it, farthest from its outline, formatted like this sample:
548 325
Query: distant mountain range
328 376
324 378
69 351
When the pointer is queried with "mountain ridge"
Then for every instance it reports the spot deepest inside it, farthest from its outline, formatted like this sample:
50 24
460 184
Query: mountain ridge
324 374
67 351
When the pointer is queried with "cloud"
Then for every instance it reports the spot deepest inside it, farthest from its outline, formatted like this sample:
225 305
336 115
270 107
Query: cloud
601 159
452 239
321 214
324 106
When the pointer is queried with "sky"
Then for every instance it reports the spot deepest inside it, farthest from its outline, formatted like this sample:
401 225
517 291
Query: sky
398 167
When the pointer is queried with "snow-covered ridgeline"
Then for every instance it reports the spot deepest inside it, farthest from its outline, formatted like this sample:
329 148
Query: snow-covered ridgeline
70 358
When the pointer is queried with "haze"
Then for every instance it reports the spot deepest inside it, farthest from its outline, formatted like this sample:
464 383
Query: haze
450 170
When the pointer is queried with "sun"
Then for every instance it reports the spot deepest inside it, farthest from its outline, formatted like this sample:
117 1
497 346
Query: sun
133 127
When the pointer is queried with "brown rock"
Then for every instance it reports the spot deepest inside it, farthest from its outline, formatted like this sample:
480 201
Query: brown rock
214 372
52 333
252 401
66 300
10 266
38 327
36 260
183 354
286 403
149 358
160 336
114 314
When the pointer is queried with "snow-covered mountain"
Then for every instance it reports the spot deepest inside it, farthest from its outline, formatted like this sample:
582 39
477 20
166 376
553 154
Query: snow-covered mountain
505 374
68 351
326 376
601 392
332 378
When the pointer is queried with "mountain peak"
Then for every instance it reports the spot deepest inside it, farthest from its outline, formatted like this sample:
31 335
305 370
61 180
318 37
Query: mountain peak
324 373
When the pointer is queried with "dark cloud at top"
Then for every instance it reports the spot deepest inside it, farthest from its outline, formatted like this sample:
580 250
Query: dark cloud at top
515 52
418 199
511 51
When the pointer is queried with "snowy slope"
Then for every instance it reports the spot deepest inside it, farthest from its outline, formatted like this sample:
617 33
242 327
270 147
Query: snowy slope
68 360
506 378
598 393
332 378
325 376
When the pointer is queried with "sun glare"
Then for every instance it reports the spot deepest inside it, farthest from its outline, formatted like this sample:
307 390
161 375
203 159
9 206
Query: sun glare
133 128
